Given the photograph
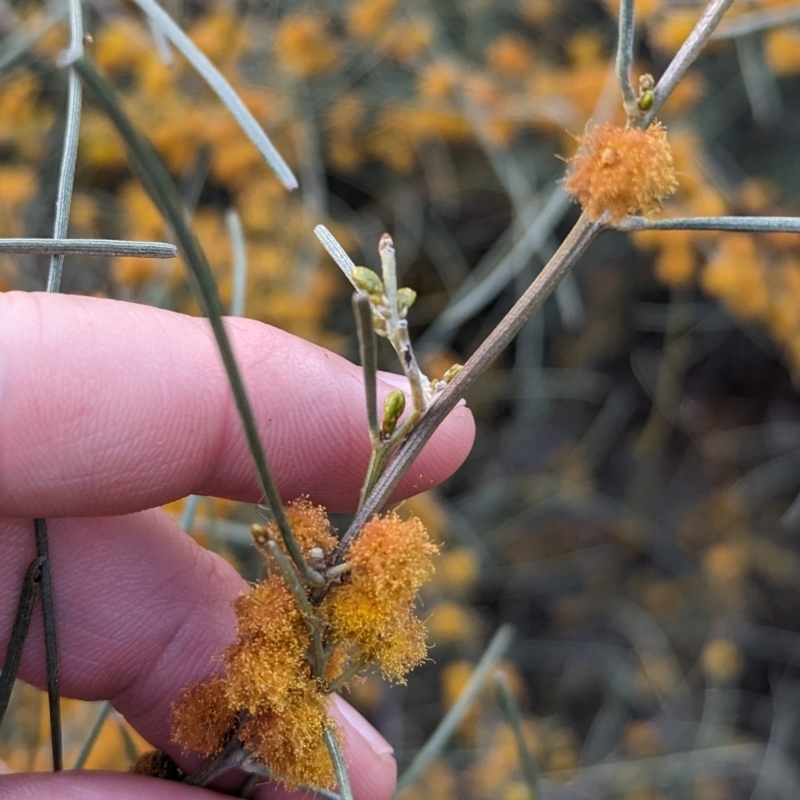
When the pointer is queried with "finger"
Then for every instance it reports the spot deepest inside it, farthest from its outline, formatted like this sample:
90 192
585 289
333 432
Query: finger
95 785
113 407
142 612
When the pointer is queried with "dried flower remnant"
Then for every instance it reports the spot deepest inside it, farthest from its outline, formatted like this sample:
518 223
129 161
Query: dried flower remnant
622 171
157 765
275 685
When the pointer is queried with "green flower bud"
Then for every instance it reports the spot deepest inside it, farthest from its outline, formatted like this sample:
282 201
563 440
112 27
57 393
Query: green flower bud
261 537
405 299
646 100
393 407
452 372
379 324
367 280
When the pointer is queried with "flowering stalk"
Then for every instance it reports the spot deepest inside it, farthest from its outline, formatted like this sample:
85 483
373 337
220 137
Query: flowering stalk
398 303
296 645
381 307
573 246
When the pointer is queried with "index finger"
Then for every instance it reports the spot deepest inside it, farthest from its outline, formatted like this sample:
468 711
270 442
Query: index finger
112 407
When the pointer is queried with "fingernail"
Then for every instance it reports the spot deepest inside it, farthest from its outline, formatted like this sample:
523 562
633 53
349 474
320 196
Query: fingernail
362 727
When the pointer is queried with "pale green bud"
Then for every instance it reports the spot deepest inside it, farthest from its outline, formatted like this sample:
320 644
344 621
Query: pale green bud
405 299
646 100
452 372
379 324
367 280
259 533
647 96
393 407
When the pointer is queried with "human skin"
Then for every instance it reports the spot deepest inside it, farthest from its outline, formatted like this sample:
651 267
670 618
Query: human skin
109 410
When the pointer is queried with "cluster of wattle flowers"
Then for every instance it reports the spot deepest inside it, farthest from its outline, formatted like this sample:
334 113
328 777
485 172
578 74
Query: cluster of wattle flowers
621 171
272 692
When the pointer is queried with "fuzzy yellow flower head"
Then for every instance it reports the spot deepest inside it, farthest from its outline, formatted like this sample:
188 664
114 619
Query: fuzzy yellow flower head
622 171
373 608
266 664
393 556
311 527
202 718
298 642
291 741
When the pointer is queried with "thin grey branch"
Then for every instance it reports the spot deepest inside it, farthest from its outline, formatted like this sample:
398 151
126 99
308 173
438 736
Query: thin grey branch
69 153
339 765
18 43
213 77
162 189
625 57
449 722
88 247
368 353
758 21
742 224
689 51
233 222
335 251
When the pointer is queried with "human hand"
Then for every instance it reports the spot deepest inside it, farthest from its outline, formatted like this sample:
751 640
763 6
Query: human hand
111 409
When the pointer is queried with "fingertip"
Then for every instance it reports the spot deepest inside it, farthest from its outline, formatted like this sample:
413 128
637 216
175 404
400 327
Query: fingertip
446 451
86 785
370 758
